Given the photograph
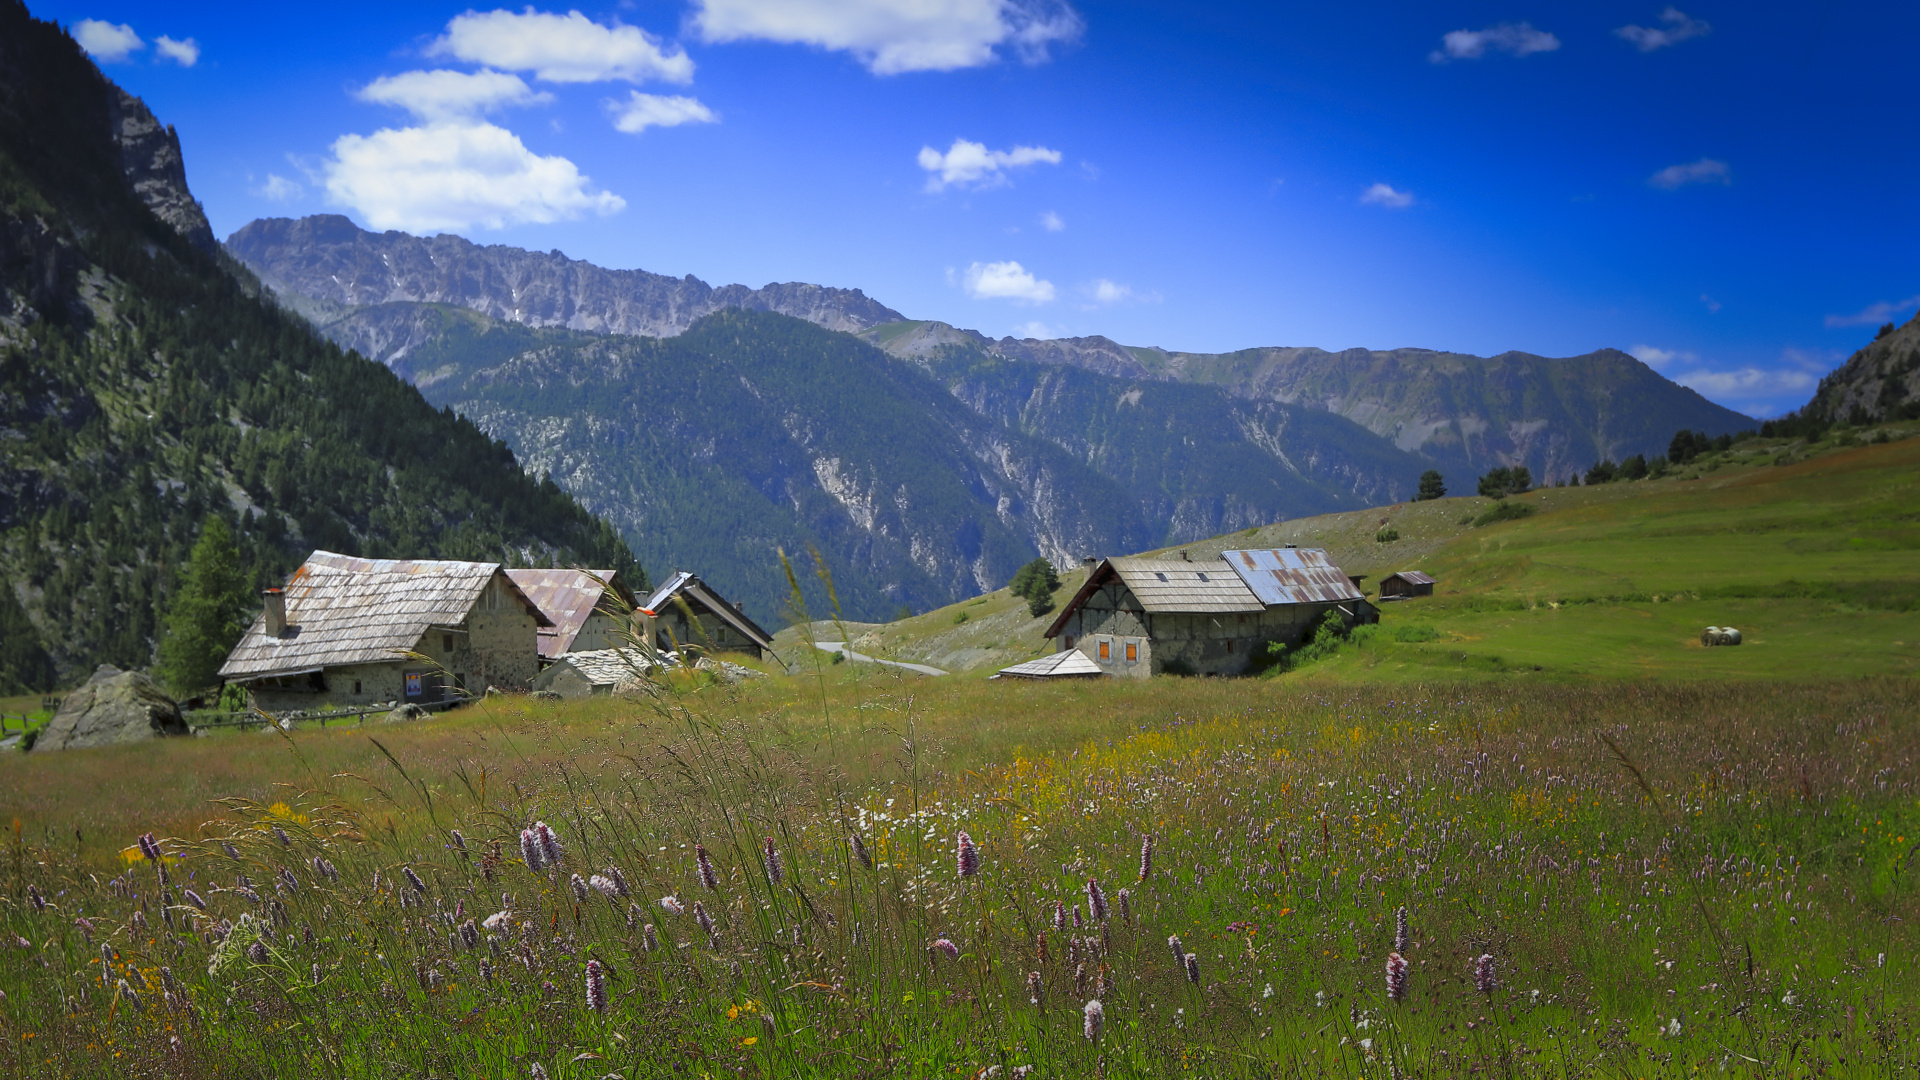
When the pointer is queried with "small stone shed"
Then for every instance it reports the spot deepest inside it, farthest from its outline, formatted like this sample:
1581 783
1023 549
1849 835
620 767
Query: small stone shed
1405 585
337 634
583 674
1137 617
721 626
583 605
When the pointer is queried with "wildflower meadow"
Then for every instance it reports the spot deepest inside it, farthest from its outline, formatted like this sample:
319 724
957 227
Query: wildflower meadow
802 877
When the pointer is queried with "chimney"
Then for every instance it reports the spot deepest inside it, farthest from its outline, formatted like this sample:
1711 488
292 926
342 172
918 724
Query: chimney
276 612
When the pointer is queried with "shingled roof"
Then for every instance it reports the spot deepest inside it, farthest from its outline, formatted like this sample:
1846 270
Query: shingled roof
347 610
1239 581
567 597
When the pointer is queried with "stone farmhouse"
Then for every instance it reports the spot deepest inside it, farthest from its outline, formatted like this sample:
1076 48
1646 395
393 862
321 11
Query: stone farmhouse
585 607
1138 617
338 634
716 626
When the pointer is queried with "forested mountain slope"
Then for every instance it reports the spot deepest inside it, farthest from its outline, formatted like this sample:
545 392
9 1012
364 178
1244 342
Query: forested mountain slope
145 383
1879 382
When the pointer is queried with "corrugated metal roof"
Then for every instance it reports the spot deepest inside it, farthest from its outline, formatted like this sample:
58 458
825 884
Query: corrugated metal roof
1411 577
1166 585
1069 663
347 610
566 597
605 667
701 595
1292 576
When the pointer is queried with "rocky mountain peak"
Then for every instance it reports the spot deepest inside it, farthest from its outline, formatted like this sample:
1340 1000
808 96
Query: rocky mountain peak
150 157
329 261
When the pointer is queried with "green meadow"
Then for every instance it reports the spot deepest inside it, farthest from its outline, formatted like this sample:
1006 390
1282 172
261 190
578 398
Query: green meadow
1527 827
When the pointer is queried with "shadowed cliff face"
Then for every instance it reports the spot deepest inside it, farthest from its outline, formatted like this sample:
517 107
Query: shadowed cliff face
150 156
336 266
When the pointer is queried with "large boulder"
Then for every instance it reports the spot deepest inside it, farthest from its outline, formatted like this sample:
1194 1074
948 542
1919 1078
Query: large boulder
113 707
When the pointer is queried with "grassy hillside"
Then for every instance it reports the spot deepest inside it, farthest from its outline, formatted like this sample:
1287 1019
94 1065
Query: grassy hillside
1807 548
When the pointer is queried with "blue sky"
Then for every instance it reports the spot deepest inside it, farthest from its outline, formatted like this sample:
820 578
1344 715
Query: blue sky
1726 190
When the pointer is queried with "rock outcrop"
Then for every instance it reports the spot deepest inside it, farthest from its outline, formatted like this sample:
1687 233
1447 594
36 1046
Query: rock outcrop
150 156
1880 382
113 707
327 263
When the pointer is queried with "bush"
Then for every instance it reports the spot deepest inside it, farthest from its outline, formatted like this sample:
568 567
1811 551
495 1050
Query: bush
1503 511
1413 632
959 618
1387 535
1432 486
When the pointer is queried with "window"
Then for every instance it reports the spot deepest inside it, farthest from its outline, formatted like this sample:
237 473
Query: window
1229 645
1104 654
446 642
1069 641
356 686
1133 652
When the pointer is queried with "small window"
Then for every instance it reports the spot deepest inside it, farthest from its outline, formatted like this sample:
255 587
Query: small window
446 642
1229 645
356 686
1069 641
1203 576
1104 654
1160 575
1133 652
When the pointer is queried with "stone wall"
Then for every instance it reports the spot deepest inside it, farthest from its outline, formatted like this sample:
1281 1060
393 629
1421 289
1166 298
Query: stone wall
567 681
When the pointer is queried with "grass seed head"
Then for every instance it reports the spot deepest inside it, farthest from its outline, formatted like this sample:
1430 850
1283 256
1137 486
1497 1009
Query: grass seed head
771 854
705 920
705 864
860 851
413 879
1093 1017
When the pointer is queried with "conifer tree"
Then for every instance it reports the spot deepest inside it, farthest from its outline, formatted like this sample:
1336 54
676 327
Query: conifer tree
211 608
1432 486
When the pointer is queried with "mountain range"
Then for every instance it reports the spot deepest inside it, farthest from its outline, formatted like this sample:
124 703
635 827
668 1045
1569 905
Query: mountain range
711 447
147 382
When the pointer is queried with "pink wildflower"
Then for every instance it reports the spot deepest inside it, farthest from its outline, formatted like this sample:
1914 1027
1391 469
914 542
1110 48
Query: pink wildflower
705 863
1146 858
1483 977
947 948
772 856
549 843
966 855
596 986
1096 901
530 849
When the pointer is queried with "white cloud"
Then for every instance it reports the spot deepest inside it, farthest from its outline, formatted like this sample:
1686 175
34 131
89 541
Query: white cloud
1053 222
1875 314
1754 389
971 164
1006 281
1713 306
568 48
1384 195
105 41
455 175
1680 26
642 111
1659 359
895 36
447 95
1704 171
1519 39
279 189
1101 291
185 53
1036 329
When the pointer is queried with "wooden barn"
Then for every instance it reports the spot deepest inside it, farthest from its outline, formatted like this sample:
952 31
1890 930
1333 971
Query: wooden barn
1139 617
584 607
1405 585
339 633
717 625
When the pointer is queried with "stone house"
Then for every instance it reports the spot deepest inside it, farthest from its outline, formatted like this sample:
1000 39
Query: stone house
339 632
597 671
585 607
716 625
1137 617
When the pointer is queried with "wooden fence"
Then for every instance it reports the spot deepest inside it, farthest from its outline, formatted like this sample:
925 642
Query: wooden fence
247 721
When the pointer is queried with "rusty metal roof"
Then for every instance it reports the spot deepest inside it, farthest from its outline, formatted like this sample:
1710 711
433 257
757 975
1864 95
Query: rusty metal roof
1178 585
1411 577
347 610
1292 576
567 597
